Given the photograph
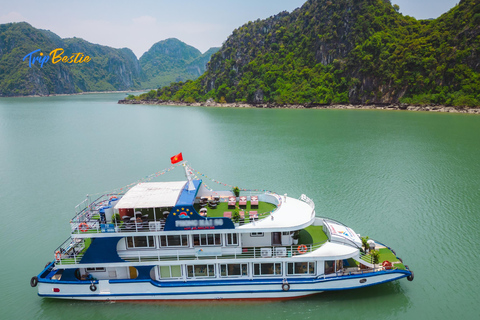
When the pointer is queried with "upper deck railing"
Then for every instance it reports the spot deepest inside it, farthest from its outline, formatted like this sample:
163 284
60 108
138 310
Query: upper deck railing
87 219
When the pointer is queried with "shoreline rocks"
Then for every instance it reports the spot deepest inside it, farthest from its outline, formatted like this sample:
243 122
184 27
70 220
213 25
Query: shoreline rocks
402 107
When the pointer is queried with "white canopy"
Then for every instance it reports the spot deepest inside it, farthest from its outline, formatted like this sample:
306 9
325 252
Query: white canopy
292 215
332 251
151 195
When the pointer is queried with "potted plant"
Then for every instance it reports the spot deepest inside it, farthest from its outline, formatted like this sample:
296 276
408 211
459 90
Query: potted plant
365 244
116 218
236 217
236 191
375 256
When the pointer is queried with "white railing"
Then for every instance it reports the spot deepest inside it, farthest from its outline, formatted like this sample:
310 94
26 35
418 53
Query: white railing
70 251
179 255
310 202
87 218
86 210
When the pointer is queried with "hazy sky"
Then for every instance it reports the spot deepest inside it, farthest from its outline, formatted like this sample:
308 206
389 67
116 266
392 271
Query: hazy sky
139 24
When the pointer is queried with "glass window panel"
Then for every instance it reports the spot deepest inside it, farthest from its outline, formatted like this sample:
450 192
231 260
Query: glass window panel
290 268
232 239
256 269
211 270
163 241
130 242
196 240
190 271
184 240
173 241
141 242
176 271
164 272
210 239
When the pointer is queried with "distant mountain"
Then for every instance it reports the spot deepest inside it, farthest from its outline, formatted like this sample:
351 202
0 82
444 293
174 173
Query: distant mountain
345 51
110 69
172 60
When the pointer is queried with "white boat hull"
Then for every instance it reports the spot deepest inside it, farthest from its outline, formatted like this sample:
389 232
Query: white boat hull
211 290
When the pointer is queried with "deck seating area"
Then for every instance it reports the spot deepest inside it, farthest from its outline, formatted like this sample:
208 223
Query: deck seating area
242 201
232 202
91 220
254 201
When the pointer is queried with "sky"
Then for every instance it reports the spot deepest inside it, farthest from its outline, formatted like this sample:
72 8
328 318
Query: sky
139 24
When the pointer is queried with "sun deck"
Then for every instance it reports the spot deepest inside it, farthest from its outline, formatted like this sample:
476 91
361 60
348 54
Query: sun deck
131 212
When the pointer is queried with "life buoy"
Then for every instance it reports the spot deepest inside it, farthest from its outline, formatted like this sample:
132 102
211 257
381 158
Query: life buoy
285 287
58 255
93 287
34 281
387 265
83 227
302 249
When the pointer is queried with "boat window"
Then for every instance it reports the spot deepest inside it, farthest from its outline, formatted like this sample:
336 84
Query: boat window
233 270
174 241
286 233
301 268
267 269
170 272
256 234
232 239
329 267
140 242
201 271
207 240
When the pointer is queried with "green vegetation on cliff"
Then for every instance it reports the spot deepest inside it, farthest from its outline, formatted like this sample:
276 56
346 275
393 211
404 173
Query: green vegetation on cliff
172 60
344 51
110 69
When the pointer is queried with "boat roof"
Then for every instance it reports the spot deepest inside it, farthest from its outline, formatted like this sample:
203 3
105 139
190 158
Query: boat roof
152 195
333 251
292 215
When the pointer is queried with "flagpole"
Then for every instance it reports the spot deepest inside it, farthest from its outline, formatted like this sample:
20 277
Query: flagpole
191 187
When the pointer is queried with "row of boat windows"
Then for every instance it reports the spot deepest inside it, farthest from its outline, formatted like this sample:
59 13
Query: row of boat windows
236 270
230 239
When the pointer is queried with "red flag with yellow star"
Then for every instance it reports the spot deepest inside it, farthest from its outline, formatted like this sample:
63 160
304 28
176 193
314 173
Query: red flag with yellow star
176 158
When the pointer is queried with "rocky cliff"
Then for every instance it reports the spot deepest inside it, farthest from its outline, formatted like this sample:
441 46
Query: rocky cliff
345 51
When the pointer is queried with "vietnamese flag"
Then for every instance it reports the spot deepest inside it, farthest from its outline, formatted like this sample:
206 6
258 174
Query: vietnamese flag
176 158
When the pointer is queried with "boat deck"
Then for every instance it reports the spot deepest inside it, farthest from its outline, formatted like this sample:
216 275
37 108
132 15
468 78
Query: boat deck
313 237
93 225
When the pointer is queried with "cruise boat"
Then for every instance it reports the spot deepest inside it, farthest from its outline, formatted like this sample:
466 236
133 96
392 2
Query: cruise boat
182 240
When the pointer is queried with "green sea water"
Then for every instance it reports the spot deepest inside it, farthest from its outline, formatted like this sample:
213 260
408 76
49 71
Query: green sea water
408 179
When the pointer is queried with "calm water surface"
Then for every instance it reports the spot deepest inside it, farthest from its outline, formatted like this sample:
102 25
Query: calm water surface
410 180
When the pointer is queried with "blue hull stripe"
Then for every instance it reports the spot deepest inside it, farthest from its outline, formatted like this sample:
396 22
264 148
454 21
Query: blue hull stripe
219 292
209 283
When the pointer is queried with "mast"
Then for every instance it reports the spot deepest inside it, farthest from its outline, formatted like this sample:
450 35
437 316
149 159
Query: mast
188 174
